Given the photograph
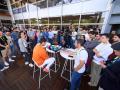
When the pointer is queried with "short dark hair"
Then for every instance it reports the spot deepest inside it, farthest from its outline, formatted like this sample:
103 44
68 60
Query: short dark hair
43 40
118 35
81 42
106 35
91 32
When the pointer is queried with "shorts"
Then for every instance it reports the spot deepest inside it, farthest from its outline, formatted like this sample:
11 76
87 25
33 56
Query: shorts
5 52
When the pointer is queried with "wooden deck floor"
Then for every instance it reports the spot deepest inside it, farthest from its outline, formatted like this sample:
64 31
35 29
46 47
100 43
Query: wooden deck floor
19 77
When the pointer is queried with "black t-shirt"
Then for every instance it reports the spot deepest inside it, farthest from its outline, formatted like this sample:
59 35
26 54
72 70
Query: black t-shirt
3 41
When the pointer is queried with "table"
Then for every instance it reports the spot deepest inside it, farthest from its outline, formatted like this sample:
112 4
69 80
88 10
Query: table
65 54
55 54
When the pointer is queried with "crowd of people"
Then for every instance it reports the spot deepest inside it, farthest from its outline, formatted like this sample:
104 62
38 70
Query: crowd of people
95 54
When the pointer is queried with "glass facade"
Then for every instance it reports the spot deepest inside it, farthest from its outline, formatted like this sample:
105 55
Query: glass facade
19 6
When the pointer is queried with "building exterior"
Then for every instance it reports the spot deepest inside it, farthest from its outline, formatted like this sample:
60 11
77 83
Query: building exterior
114 20
5 18
63 12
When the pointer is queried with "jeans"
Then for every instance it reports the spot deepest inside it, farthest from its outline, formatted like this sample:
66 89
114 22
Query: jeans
1 65
12 47
73 43
26 56
75 81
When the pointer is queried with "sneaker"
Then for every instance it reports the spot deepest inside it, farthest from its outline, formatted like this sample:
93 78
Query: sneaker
14 56
6 63
89 83
31 65
11 60
45 70
6 67
26 63
2 69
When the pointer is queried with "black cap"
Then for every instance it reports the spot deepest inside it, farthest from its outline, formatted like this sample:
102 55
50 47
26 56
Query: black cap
116 46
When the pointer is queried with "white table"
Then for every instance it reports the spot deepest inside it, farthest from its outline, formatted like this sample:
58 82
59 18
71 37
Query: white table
65 54
55 54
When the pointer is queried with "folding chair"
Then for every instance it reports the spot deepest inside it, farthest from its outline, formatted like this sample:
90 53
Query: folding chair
40 74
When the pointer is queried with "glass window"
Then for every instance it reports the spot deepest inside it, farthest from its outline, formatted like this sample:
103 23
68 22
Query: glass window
17 21
20 21
13 6
33 21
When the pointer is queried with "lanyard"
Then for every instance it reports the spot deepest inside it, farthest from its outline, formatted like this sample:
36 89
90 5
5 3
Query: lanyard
117 59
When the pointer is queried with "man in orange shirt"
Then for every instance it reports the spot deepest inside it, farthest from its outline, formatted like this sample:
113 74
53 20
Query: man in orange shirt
40 56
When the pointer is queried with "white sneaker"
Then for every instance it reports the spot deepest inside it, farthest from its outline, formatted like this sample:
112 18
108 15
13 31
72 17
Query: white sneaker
31 65
11 60
6 67
14 56
90 84
6 63
26 63
2 69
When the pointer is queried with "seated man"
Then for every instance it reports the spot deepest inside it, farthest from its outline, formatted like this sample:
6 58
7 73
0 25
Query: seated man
40 56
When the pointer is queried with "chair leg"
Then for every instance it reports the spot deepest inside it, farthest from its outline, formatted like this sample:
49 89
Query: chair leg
49 75
39 78
34 71
66 64
58 60
64 68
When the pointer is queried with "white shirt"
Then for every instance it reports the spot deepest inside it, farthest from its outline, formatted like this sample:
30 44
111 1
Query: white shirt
105 50
74 34
55 32
51 35
75 1
81 54
22 45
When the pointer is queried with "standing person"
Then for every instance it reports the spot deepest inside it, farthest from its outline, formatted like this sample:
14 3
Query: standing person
10 44
45 34
31 36
74 35
4 48
68 38
54 30
50 36
15 37
110 77
116 38
89 46
40 36
97 37
81 57
23 48
102 52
